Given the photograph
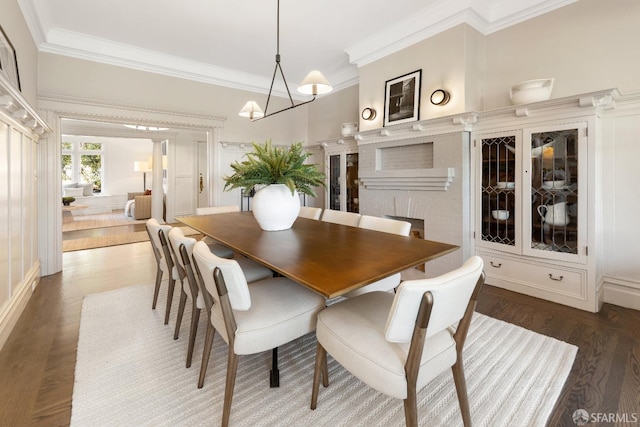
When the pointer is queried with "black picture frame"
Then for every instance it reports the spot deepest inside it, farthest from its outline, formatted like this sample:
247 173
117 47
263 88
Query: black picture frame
8 60
402 98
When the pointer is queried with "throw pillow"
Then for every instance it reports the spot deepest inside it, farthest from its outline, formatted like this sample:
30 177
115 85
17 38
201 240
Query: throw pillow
73 192
88 189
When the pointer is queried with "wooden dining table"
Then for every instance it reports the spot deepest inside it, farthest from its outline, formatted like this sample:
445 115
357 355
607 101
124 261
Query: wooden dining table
330 259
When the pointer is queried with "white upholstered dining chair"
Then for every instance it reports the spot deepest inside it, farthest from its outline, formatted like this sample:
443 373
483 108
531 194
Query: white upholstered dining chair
397 343
310 212
217 248
164 264
182 248
256 318
386 225
341 217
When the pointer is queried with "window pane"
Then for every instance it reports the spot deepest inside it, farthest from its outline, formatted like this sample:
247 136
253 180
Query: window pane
67 168
91 146
67 145
91 170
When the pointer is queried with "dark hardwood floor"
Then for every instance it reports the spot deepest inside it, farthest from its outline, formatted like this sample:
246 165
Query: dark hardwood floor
38 361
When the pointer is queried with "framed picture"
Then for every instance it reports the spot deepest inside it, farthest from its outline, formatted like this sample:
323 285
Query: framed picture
402 99
8 61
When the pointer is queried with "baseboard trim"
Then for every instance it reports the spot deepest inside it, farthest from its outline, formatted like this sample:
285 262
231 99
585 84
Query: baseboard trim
10 315
625 293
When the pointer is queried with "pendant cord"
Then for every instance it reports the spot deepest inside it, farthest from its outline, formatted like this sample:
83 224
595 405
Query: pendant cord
278 65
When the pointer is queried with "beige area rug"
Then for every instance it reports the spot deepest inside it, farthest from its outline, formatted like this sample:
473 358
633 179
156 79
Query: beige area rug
87 222
112 240
130 372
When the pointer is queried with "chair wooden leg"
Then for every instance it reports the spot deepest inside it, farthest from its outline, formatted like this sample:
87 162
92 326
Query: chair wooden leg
195 316
183 302
319 371
411 408
232 368
156 291
206 352
172 285
461 390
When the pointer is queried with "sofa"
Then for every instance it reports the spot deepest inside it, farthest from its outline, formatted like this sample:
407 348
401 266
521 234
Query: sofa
138 205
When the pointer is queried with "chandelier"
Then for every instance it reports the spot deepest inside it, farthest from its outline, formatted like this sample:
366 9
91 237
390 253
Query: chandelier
314 84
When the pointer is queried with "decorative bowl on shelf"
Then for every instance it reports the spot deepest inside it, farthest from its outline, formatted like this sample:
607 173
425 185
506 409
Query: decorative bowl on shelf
506 184
500 214
531 91
550 185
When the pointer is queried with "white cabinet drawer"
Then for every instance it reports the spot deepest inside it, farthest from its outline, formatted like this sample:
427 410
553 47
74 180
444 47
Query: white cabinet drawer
542 280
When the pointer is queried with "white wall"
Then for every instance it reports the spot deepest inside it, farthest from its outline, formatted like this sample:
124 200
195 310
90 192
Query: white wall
15 27
75 78
586 46
118 157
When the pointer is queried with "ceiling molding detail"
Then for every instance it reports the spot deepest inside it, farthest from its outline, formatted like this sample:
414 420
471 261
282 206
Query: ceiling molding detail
486 16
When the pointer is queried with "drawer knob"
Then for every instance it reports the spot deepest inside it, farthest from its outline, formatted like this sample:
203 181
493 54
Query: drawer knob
557 279
495 265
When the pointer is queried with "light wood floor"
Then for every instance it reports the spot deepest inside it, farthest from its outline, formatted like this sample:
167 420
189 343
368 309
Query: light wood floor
38 361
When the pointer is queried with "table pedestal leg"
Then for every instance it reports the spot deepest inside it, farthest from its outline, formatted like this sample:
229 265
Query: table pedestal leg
274 379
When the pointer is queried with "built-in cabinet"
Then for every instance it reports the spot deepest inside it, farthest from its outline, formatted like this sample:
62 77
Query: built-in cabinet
537 200
342 187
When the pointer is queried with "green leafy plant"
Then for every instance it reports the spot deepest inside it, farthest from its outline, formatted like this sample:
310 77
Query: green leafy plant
68 200
267 165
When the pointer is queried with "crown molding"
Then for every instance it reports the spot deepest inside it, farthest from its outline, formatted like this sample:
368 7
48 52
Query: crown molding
483 15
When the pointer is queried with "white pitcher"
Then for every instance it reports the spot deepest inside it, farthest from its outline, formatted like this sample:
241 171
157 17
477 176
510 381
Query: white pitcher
554 214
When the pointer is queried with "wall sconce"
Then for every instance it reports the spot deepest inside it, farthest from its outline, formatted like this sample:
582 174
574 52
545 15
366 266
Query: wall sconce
368 114
440 97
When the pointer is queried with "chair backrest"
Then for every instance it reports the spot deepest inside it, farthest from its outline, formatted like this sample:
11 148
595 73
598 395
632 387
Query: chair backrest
217 209
238 290
341 217
451 294
387 225
153 227
167 256
310 212
176 239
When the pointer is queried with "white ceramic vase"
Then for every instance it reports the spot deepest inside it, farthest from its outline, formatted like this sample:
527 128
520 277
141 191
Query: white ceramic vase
275 208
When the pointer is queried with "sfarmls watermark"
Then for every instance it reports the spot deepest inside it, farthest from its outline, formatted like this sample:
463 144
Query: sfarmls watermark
582 417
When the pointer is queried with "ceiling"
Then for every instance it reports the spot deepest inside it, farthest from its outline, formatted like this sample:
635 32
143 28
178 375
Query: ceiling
233 43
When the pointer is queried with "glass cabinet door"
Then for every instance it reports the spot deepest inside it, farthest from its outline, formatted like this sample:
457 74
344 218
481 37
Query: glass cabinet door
343 185
334 182
554 183
353 202
499 197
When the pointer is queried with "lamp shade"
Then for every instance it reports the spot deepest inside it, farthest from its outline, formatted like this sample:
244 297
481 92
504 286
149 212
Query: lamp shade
315 84
140 166
252 110
165 162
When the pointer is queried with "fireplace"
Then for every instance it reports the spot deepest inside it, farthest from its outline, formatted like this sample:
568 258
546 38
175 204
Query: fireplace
424 180
417 231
